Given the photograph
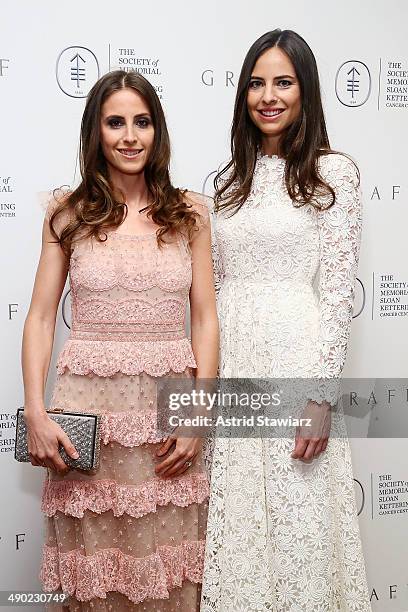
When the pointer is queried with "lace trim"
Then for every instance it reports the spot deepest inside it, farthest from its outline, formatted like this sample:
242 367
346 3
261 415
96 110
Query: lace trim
130 428
74 497
107 570
106 358
129 310
105 276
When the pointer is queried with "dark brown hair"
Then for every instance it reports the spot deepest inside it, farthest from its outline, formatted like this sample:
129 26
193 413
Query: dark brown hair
302 143
94 205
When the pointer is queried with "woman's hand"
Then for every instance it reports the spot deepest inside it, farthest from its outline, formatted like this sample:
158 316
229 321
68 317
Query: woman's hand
312 440
44 438
185 450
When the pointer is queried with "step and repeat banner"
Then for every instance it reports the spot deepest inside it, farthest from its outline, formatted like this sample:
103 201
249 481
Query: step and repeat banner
50 56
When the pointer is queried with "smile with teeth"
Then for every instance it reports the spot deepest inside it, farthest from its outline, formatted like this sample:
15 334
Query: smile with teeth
271 113
130 153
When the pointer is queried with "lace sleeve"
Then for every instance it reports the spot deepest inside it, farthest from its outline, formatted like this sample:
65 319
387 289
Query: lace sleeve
340 234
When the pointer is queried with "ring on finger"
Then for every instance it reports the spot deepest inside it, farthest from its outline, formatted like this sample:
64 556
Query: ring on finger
188 463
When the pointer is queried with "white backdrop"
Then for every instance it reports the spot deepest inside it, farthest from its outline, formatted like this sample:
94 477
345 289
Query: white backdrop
192 52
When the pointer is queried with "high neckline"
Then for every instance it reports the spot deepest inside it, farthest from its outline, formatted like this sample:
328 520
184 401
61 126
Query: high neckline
273 160
261 155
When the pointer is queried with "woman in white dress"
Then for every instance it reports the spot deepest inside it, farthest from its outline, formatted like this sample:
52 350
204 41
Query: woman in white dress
283 533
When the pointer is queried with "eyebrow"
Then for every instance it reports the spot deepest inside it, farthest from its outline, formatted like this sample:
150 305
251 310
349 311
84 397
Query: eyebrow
282 76
120 116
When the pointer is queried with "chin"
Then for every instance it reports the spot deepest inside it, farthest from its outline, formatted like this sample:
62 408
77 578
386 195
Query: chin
269 132
131 171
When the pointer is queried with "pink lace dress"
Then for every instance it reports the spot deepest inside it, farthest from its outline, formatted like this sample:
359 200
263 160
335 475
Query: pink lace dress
122 538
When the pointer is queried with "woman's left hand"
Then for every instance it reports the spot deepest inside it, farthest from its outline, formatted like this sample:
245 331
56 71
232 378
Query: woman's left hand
183 456
312 440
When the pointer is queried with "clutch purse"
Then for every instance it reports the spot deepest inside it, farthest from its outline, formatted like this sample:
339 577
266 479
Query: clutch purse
84 431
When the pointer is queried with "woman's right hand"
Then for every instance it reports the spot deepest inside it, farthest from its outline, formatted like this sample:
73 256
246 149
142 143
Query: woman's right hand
44 438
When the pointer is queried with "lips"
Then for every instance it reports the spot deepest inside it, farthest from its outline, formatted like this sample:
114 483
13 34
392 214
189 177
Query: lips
130 153
271 113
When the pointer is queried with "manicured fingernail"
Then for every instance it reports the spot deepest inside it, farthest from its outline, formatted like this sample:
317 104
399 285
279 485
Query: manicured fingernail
75 455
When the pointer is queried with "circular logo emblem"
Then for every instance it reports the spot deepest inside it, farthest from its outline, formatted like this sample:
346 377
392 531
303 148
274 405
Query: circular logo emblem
66 309
353 83
360 299
208 187
77 70
360 496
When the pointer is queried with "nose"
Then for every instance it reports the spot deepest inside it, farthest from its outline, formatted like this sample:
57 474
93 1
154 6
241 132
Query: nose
131 134
269 94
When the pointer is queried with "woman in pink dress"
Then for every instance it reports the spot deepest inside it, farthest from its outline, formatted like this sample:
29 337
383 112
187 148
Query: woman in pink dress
129 535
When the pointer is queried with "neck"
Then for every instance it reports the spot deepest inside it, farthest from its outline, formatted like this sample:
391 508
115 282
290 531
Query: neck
270 145
132 186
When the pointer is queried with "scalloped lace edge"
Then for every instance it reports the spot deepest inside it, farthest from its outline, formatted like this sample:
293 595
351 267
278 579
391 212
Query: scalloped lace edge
106 358
130 428
110 569
74 497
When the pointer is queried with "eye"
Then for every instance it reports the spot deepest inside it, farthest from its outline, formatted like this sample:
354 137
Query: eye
284 83
255 84
143 122
115 123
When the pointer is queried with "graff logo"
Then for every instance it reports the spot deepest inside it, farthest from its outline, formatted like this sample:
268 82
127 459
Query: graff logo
360 496
353 83
66 309
4 64
77 70
209 79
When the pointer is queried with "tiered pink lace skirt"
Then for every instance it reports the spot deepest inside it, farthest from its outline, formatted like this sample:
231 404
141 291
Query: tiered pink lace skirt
123 538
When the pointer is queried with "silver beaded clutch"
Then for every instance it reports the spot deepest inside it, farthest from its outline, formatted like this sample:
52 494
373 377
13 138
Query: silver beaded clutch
84 431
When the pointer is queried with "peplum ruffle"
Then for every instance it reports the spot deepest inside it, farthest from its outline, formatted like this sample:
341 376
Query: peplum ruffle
106 358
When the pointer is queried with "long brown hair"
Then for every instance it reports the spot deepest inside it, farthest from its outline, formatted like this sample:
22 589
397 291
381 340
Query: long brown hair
94 205
301 145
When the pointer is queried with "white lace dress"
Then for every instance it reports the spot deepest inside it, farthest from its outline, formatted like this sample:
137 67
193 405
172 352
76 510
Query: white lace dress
283 535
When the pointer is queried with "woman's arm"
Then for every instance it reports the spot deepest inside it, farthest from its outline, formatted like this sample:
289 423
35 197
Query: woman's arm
44 435
204 320
339 236
204 336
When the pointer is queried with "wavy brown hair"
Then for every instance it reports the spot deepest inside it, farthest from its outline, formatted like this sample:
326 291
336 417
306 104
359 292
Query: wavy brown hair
95 205
301 145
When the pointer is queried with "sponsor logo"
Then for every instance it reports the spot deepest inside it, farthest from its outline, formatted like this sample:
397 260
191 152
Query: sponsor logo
359 299
7 432
394 84
77 70
360 496
4 64
66 308
210 78
130 60
353 83
7 204
208 183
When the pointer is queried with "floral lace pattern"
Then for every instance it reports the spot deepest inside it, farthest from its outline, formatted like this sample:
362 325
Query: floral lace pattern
73 497
283 535
128 284
107 275
121 535
105 358
130 428
95 575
